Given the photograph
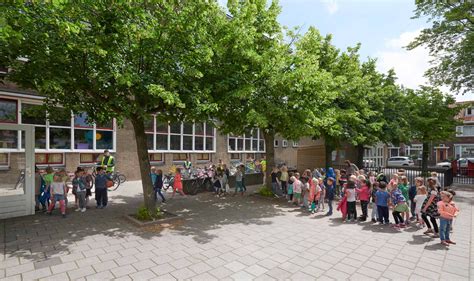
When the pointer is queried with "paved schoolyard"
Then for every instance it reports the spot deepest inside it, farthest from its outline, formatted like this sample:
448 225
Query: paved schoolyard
234 238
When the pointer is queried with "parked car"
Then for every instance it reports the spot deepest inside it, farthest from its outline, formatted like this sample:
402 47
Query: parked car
400 161
444 164
462 162
369 163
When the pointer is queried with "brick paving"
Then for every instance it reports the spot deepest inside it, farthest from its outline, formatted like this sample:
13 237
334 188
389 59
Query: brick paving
249 238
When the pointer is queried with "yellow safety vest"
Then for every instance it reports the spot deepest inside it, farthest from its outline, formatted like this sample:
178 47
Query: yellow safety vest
108 169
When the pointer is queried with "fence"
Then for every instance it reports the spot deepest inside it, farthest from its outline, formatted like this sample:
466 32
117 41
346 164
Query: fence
445 175
463 175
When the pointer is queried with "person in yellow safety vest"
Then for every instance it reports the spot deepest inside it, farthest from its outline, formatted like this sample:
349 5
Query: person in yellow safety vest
107 162
263 164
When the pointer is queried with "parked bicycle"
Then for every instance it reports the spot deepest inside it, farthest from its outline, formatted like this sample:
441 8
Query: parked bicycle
201 181
168 181
117 179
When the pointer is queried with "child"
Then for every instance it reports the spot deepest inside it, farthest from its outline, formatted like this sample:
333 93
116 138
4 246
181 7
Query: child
305 192
447 211
297 188
314 194
322 194
275 181
382 198
434 176
101 188
342 182
419 199
338 183
393 182
412 194
178 184
217 184
153 175
364 195
158 186
373 191
351 200
403 185
330 192
290 187
58 193
284 179
399 206
80 185
89 182
239 186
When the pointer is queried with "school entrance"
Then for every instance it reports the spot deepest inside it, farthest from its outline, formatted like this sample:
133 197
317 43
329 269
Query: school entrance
17 170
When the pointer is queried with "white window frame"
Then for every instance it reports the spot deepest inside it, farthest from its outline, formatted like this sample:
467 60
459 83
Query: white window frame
296 144
250 137
276 143
284 143
181 135
7 166
23 99
471 109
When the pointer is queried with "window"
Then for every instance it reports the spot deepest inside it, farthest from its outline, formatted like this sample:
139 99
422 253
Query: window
8 111
178 136
235 156
89 158
276 143
465 131
203 157
180 156
49 158
469 111
296 144
249 142
8 139
156 157
284 143
4 160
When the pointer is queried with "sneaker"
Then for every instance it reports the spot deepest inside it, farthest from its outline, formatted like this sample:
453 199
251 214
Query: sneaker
374 220
83 210
328 214
436 235
78 209
289 201
395 225
451 242
428 231
402 225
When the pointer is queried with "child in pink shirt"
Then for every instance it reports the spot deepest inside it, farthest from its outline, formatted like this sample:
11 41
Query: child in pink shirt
364 195
447 211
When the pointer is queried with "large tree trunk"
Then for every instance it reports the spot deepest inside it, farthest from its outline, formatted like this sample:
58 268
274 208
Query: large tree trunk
328 148
270 157
143 159
360 156
424 159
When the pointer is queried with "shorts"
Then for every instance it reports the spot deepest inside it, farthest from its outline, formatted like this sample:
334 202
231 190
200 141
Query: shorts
88 192
297 195
402 208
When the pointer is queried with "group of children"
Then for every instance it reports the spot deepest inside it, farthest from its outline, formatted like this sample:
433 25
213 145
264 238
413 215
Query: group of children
53 187
422 204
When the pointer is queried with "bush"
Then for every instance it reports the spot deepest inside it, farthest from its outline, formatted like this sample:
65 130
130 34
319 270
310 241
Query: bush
265 191
144 214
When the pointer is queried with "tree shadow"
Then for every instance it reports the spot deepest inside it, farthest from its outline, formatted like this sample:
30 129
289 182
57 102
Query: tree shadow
42 237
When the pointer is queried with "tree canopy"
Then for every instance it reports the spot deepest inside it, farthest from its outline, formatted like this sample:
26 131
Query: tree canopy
450 40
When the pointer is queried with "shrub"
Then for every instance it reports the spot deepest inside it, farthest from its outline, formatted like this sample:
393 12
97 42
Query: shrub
265 191
144 214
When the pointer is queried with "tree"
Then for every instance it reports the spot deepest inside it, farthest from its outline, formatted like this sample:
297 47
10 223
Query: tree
123 60
256 78
432 118
450 41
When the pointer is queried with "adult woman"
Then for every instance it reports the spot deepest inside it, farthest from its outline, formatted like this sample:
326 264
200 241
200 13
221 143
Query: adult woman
284 179
430 208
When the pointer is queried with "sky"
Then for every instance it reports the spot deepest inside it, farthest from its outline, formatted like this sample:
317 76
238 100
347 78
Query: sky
383 27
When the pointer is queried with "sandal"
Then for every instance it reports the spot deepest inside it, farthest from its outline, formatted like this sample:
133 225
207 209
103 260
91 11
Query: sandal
451 242
444 243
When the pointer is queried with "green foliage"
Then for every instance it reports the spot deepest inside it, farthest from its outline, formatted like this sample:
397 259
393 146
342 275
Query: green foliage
265 191
450 40
144 214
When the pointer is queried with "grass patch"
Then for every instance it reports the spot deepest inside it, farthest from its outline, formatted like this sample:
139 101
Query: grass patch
265 191
143 214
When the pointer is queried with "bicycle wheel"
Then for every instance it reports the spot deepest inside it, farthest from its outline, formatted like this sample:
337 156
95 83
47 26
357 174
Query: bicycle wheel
194 188
122 178
117 183
20 182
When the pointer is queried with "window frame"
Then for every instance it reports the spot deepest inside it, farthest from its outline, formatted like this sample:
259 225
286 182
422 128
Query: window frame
253 136
54 164
181 154
284 143
198 160
17 110
6 166
156 162
276 143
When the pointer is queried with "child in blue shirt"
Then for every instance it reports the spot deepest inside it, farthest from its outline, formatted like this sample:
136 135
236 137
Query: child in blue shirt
381 199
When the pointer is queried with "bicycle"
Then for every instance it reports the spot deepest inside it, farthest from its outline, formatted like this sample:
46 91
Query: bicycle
168 181
21 179
117 179
201 181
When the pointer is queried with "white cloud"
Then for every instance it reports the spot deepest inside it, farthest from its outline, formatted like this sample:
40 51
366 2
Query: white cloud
331 5
410 66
